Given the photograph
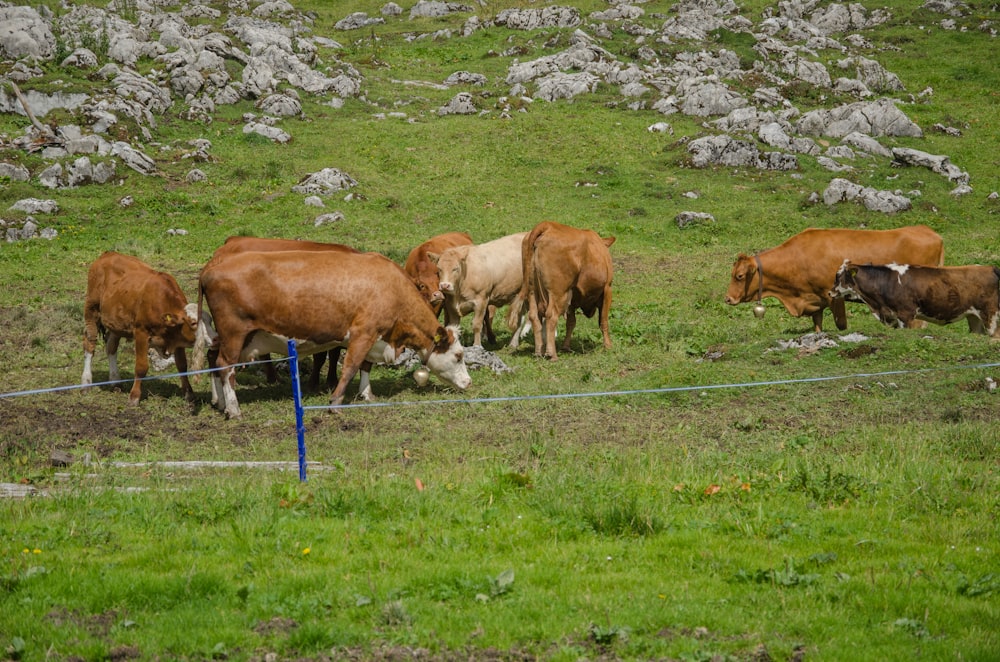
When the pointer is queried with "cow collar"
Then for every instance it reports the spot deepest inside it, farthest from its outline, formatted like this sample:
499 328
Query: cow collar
760 278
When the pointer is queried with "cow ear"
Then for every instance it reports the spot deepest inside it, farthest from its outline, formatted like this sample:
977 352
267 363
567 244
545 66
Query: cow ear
852 272
608 241
434 257
168 319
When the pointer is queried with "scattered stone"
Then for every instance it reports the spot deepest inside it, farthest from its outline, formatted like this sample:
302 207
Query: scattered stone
325 219
461 104
314 201
270 132
325 182
688 218
195 175
936 163
35 206
843 190
13 172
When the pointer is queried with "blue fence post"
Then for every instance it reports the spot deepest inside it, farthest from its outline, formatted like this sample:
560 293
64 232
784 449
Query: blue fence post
300 428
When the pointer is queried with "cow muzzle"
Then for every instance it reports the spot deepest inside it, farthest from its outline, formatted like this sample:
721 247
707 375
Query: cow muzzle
446 287
437 296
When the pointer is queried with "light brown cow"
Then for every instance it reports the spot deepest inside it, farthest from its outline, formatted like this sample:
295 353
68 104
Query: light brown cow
565 269
424 272
322 299
243 244
905 295
126 298
800 272
474 278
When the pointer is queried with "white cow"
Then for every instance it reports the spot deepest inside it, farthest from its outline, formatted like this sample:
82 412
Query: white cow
474 278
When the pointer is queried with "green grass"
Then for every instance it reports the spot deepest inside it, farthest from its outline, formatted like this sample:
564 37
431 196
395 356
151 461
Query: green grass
846 511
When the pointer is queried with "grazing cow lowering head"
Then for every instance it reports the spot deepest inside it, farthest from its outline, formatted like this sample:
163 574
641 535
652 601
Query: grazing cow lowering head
126 298
910 295
260 301
800 271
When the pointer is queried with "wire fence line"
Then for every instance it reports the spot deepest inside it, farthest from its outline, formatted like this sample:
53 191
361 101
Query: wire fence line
300 409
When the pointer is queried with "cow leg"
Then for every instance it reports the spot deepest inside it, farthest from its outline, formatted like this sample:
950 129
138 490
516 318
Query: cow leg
319 359
270 372
180 360
111 350
556 307
331 374
89 343
229 354
603 319
491 312
141 365
839 310
365 387
357 350
479 314
817 319
976 325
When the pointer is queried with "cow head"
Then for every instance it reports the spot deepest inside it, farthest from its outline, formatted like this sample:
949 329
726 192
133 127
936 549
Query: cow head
743 282
844 283
446 358
450 268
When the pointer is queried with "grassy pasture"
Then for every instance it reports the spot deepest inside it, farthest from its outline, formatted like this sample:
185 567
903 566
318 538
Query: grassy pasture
846 509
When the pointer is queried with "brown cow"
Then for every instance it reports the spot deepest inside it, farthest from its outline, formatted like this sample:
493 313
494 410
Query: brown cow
565 268
424 272
800 271
242 244
905 295
322 300
126 298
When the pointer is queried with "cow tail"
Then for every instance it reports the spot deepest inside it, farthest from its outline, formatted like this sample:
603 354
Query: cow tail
201 338
520 303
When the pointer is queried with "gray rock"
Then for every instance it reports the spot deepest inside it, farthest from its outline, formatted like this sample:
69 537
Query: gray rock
532 19
269 132
281 105
35 206
325 182
391 9
465 78
461 104
728 151
52 177
314 201
81 58
435 9
936 163
688 218
325 219
960 190
133 158
357 20
13 172
867 144
842 190
24 33
196 175
873 118
558 85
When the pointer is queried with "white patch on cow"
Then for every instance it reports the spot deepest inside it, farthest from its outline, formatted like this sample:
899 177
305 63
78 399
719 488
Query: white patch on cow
450 364
88 375
900 270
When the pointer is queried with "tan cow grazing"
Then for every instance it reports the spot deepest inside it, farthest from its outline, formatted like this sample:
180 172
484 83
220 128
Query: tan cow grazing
243 244
800 271
322 299
126 298
905 296
424 272
565 269
474 278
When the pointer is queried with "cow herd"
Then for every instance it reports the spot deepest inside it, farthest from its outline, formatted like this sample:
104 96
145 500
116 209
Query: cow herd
330 298
333 299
